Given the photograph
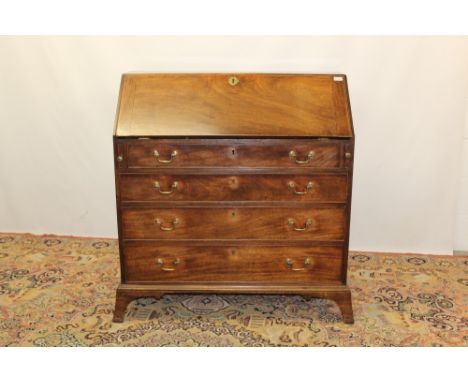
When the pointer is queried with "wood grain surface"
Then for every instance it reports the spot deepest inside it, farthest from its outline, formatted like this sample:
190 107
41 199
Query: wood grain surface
232 153
270 105
233 223
151 264
170 188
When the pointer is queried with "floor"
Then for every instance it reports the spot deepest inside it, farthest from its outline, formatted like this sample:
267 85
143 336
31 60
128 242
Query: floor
59 291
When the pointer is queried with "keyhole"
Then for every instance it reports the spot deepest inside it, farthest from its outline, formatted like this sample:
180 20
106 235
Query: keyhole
233 214
233 152
233 81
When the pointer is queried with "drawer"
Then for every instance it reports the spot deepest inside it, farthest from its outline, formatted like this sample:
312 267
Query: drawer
146 263
313 188
291 153
234 223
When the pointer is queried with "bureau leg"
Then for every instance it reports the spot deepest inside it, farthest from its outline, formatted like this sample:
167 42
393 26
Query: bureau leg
125 296
344 302
121 302
342 299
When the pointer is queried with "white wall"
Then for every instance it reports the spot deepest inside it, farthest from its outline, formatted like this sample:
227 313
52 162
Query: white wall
461 222
58 97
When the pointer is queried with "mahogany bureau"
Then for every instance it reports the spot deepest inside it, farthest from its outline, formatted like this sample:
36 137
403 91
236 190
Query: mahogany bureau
233 183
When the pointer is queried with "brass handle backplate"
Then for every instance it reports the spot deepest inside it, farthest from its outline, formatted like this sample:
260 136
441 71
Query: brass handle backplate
157 186
233 81
292 224
173 156
289 263
158 221
293 157
292 186
160 262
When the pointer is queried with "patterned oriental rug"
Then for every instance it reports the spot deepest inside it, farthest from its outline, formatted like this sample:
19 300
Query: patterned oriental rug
59 291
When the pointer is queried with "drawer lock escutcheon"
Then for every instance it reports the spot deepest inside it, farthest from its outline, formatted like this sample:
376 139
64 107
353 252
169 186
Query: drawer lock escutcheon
290 263
158 221
160 262
292 224
292 186
293 157
233 81
174 186
173 156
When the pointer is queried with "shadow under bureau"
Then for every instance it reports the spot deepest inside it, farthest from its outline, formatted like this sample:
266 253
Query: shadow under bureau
233 183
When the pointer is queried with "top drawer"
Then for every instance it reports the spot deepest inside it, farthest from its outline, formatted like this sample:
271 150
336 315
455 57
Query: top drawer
184 153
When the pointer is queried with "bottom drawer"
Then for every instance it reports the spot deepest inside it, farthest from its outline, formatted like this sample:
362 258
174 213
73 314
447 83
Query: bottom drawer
295 264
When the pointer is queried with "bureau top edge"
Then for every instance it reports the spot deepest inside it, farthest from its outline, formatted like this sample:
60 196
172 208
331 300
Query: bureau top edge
233 105
232 137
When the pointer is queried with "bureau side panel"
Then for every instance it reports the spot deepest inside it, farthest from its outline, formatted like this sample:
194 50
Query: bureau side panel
119 163
349 148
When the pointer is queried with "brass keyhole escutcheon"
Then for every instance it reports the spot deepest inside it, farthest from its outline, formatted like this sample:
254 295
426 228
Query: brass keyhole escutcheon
233 81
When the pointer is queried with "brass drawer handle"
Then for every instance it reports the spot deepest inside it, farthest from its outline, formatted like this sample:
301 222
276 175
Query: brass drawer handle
173 156
290 263
293 157
292 224
160 262
157 186
292 186
175 221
